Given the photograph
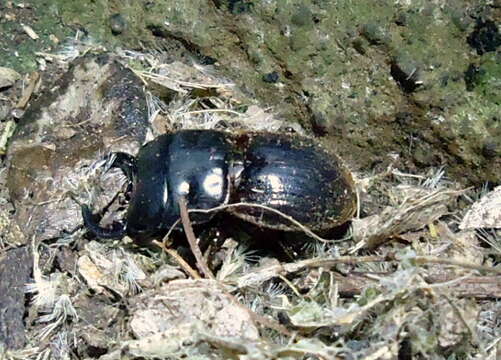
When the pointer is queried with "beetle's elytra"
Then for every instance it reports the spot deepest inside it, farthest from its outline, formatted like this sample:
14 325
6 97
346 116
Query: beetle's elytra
289 173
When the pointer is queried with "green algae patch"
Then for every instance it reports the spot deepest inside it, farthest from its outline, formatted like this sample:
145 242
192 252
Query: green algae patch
18 50
374 78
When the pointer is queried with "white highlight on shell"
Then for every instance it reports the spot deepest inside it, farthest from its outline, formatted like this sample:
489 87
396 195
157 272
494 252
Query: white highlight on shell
275 182
277 187
165 195
183 188
213 183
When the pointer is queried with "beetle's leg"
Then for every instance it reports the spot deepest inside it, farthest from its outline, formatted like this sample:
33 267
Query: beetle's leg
117 231
126 163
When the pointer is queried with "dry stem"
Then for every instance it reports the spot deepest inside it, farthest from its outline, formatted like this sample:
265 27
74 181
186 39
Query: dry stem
34 77
293 221
190 235
268 272
179 259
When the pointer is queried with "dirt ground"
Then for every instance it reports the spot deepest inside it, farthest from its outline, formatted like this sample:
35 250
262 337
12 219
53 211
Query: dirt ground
414 275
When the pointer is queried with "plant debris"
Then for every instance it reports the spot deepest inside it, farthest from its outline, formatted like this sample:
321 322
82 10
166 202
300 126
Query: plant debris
402 278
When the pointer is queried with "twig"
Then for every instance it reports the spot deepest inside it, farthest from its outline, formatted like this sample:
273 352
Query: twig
493 344
190 235
460 315
270 323
223 343
21 104
211 111
30 32
293 221
269 272
166 237
291 285
178 259
158 78
434 260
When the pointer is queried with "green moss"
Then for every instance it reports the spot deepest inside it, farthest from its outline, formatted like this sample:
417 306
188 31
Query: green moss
332 57
489 82
17 49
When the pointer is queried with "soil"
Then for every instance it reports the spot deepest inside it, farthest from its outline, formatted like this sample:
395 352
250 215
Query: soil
414 85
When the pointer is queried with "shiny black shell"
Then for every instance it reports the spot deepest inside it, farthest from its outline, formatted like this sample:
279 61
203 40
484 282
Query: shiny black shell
289 173
192 164
296 176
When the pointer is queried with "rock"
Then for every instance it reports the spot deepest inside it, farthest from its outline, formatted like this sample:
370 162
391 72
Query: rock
162 345
92 275
271 77
96 342
401 18
103 105
259 35
485 37
98 326
10 232
490 148
320 123
406 73
189 302
8 77
239 6
66 260
166 273
96 312
15 269
323 124
374 34
117 24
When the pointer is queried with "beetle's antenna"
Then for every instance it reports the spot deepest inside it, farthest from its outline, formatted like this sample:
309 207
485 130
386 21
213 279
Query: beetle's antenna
117 231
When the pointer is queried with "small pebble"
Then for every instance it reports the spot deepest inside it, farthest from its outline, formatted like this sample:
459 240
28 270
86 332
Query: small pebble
240 6
406 73
271 77
117 24
489 149
374 34
8 77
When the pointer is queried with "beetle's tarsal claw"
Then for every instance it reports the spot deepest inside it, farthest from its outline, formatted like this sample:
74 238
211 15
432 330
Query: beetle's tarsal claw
117 231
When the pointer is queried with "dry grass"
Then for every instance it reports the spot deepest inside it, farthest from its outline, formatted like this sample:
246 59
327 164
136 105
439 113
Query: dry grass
404 283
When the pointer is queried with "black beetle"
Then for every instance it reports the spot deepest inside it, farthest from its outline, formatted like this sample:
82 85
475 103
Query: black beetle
208 168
